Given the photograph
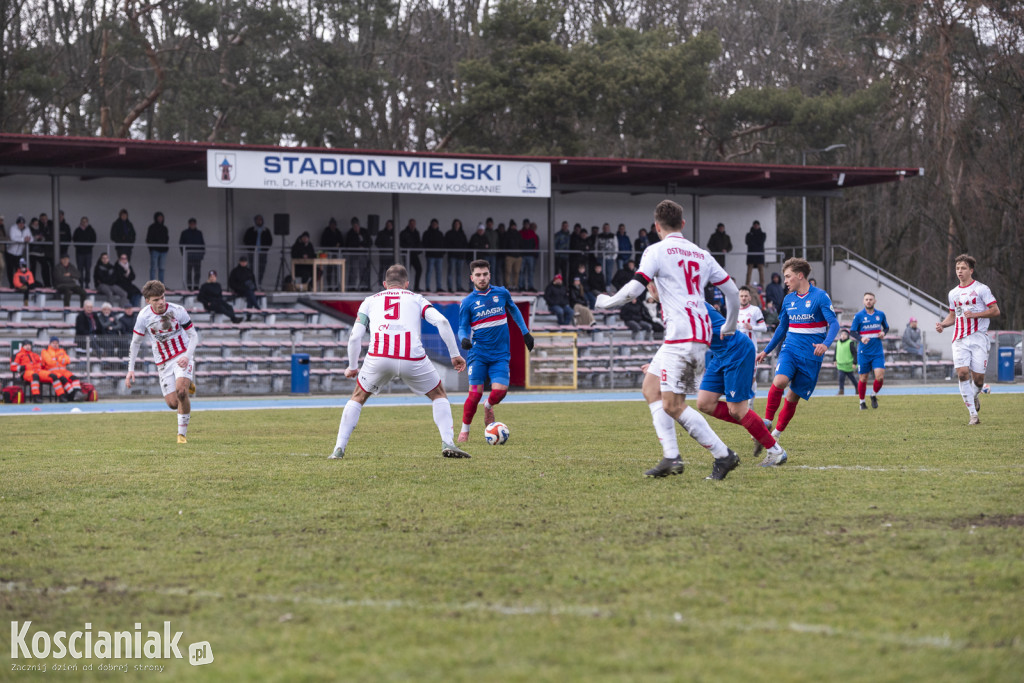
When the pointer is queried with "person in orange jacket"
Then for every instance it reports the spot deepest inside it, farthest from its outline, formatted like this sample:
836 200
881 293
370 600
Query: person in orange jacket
29 363
65 384
24 280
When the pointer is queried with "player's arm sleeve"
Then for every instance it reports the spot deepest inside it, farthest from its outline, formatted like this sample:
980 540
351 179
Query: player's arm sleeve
833 323
516 314
885 324
444 328
780 331
193 342
355 340
855 328
759 325
133 350
630 290
732 304
464 320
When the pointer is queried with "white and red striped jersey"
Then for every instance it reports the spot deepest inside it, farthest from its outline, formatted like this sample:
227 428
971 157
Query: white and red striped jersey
168 332
751 315
680 269
394 317
974 297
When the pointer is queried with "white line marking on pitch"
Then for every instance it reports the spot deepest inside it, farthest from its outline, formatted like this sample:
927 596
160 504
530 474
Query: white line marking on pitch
944 642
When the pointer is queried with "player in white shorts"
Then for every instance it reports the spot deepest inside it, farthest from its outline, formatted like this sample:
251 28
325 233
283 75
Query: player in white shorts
396 350
750 322
971 305
680 269
174 340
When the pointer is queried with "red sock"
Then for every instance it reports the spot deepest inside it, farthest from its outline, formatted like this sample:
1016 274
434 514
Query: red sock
722 413
755 425
877 386
785 415
774 399
862 388
495 396
469 408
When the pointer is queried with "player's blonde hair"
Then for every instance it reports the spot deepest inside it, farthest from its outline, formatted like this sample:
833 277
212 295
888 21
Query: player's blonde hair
153 288
396 275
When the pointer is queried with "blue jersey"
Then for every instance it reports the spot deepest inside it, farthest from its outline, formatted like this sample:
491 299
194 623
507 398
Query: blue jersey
805 321
485 314
870 327
731 344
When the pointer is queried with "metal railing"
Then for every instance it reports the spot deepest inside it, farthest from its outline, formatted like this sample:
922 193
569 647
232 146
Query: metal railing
886 279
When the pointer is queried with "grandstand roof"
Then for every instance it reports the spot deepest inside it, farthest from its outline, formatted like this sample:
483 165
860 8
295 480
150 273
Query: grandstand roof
174 161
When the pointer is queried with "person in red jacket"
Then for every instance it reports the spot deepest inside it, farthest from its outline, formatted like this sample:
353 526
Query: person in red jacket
30 365
65 384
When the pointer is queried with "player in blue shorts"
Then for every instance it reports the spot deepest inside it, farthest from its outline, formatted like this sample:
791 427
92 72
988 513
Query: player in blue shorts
870 327
730 373
483 331
807 326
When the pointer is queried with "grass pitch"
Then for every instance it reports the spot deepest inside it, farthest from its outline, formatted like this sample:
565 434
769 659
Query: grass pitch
889 548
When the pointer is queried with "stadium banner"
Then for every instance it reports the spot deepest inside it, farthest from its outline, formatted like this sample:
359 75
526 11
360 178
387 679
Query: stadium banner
298 170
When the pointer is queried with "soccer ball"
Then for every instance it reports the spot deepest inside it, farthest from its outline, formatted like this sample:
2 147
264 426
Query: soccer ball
986 389
496 433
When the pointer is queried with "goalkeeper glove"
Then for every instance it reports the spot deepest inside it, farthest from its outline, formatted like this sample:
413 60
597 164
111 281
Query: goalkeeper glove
528 338
466 344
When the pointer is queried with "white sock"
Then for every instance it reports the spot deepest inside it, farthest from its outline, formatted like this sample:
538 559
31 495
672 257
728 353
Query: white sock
776 433
487 403
183 423
349 420
465 428
967 391
443 419
665 428
697 427
776 449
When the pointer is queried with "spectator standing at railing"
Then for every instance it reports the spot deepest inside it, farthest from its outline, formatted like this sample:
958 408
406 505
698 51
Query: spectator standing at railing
157 239
479 245
557 299
578 246
433 244
720 244
39 253
531 245
563 239
409 239
193 248
259 238
492 246
16 248
625 246
385 244
457 245
84 238
512 243
65 234
755 251
331 241
640 244
593 256
357 244
122 234
607 247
